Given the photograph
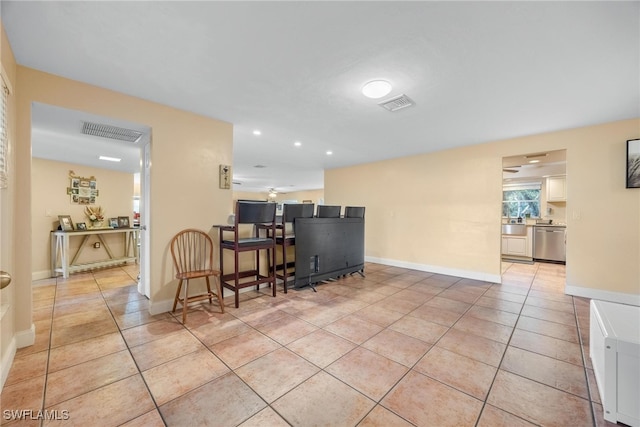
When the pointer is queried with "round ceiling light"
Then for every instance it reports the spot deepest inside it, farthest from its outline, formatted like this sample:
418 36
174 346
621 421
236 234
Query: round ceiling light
376 89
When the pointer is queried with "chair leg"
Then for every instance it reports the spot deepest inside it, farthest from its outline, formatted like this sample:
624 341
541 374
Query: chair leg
236 277
273 274
176 299
216 279
209 289
284 265
184 301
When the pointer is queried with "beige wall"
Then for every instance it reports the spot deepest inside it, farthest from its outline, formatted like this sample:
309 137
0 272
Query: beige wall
49 182
185 154
441 211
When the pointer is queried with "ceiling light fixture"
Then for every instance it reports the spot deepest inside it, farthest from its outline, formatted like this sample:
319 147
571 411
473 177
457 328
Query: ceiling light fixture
534 161
273 193
376 89
109 159
257 132
329 153
297 143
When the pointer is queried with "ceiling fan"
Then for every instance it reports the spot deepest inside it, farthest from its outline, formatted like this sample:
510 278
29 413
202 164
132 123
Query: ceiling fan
510 169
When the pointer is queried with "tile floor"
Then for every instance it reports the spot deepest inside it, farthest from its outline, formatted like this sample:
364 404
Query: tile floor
397 348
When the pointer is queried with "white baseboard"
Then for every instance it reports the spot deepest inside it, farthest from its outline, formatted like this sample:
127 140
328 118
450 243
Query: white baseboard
39 275
603 295
159 307
475 275
165 306
27 337
7 361
19 340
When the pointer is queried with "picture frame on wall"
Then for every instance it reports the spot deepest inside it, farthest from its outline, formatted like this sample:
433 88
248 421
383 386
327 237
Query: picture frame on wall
633 163
123 222
66 224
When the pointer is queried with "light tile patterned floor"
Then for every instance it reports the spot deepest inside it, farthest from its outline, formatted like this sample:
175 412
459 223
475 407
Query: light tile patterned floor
397 348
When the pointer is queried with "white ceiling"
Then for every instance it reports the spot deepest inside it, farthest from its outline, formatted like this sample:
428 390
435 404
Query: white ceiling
477 71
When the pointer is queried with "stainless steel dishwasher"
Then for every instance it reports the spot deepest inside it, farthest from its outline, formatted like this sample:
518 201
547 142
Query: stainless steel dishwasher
549 243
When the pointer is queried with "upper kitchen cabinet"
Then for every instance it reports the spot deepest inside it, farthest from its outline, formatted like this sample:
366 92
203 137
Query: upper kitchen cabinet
557 189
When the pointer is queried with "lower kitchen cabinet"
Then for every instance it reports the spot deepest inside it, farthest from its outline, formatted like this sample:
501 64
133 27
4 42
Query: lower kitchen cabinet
514 245
521 246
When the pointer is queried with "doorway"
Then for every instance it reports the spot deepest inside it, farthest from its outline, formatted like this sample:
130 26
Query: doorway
64 140
534 188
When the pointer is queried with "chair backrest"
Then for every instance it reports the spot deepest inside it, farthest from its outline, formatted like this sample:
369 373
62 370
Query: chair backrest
354 212
255 212
326 211
192 250
291 211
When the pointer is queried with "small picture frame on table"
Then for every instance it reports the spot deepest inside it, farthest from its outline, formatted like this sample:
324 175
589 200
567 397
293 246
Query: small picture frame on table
113 222
123 222
81 226
65 223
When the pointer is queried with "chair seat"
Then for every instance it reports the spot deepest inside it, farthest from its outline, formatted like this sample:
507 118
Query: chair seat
249 241
196 274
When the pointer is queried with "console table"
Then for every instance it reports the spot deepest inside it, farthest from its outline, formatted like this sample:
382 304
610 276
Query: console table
62 262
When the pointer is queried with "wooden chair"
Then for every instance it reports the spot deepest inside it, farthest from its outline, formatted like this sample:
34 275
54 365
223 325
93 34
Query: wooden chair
354 212
286 235
192 253
327 211
262 215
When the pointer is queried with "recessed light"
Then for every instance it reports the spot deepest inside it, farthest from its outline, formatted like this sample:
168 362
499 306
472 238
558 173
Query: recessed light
297 143
534 161
329 153
109 159
376 89
257 132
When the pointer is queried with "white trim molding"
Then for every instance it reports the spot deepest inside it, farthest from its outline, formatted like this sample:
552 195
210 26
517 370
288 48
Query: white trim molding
7 361
603 295
466 274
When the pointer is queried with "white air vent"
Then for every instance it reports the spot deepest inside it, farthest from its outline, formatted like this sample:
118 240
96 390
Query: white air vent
396 103
111 132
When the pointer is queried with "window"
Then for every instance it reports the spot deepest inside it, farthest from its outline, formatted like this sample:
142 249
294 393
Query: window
521 199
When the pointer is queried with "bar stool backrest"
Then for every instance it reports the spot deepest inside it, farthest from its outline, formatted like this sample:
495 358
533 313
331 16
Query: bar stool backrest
327 211
354 212
255 212
291 211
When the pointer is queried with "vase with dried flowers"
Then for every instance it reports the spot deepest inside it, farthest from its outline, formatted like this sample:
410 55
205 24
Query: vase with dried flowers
95 215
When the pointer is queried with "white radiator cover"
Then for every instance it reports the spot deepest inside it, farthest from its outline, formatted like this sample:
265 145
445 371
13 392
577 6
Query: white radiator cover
615 354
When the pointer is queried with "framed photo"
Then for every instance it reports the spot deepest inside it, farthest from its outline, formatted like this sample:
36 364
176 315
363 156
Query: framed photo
633 163
123 222
65 223
113 222
81 226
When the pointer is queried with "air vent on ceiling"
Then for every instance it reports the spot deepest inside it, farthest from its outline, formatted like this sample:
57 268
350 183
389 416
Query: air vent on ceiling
396 103
111 132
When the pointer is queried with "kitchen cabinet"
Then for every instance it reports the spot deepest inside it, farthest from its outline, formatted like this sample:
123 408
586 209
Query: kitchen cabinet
557 189
518 245
514 245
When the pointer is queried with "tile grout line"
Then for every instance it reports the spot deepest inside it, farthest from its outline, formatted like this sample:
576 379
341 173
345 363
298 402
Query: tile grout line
130 354
484 402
